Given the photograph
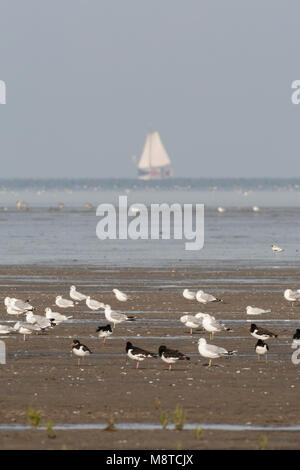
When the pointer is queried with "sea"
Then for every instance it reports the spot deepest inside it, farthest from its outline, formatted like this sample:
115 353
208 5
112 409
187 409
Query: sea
59 224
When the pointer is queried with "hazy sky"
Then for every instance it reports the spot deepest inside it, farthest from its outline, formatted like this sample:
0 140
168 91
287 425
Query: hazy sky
87 79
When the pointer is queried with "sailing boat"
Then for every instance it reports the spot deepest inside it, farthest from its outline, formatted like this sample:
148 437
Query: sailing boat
154 162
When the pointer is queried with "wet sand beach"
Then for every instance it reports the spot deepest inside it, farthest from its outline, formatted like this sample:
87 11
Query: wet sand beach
42 373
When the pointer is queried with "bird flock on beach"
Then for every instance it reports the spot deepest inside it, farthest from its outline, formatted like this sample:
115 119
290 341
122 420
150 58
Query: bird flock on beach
204 321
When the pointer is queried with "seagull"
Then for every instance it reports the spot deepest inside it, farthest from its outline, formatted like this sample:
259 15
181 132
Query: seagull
296 339
56 317
170 356
292 295
18 305
202 315
94 304
115 317
211 325
221 209
12 311
276 249
26 328
255 311
189 295
5 329
260 333
63 303
261 348
121 296
21 305
191 321
80 350
42 322
211 351
204 298
75 295
255 208
137 354
104 332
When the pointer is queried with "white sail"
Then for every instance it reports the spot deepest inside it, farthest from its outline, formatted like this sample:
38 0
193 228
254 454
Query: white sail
145 158
154 153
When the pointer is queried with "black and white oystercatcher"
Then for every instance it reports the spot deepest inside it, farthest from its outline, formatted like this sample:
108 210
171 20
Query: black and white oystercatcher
261 348
261 333
170 356
296 338
137 354
104 332
80 350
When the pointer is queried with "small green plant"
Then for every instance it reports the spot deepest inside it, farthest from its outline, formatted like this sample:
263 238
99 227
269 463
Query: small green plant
34 417
50 431
198 433
157 403
179 418
164 419
110 425
263 443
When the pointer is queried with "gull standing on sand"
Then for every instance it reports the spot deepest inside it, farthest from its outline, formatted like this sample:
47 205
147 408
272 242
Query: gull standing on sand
104 332
121 296
188 294
42 322
200 316
5 329
261 348
170 356
292 295
211 351
191 321
55 316
22 305
18 305
276 249
255 311
80 350
75 295
12 311
94 304
115 317
205 298
63 303
138 354
26 328
211 325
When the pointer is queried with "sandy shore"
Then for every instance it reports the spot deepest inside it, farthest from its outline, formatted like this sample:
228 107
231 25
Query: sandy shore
240 390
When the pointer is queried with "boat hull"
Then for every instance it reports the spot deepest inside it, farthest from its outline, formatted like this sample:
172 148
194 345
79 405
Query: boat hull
155 173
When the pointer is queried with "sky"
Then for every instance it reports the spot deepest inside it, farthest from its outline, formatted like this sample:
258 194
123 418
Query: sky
87 79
